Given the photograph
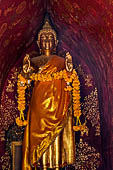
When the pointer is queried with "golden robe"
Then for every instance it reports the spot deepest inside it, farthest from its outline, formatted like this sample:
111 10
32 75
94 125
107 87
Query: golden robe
47 114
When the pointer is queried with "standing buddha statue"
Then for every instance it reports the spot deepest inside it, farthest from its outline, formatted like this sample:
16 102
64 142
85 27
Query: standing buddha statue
49 132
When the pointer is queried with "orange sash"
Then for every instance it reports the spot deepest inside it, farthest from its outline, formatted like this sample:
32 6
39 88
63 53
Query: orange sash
47 114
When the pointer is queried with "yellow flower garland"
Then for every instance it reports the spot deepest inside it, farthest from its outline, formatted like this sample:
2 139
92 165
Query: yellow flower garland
70 78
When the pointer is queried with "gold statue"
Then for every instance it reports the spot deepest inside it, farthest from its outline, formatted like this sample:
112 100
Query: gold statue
48 135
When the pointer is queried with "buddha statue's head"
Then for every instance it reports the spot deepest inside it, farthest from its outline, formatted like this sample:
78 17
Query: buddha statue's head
47 40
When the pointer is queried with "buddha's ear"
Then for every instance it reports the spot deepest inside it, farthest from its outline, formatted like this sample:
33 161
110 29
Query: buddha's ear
38 43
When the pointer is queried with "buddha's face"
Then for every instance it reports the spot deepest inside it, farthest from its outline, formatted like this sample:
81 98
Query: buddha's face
47 42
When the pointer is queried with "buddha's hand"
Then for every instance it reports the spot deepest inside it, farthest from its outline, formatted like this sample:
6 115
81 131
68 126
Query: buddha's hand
68 62
26 64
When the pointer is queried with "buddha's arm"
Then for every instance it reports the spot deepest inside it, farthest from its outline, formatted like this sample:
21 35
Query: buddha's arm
23 83
68 62
28 67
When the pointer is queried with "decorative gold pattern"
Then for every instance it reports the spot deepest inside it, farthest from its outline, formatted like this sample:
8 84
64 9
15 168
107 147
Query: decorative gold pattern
14 74
3 28
7 109
87 77
91 110
16 22
10 86
88 80
12 81
5 161
68 6
21 7
86 157
85 131
2 136
8 10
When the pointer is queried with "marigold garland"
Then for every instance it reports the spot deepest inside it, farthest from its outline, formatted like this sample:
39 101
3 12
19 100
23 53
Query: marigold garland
21 86
73 85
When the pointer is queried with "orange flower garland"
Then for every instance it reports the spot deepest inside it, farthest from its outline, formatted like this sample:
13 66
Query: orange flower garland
21 86
70 78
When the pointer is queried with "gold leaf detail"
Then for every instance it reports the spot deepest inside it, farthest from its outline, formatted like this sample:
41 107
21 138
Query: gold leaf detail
3 29
91 110
21 7
86 157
